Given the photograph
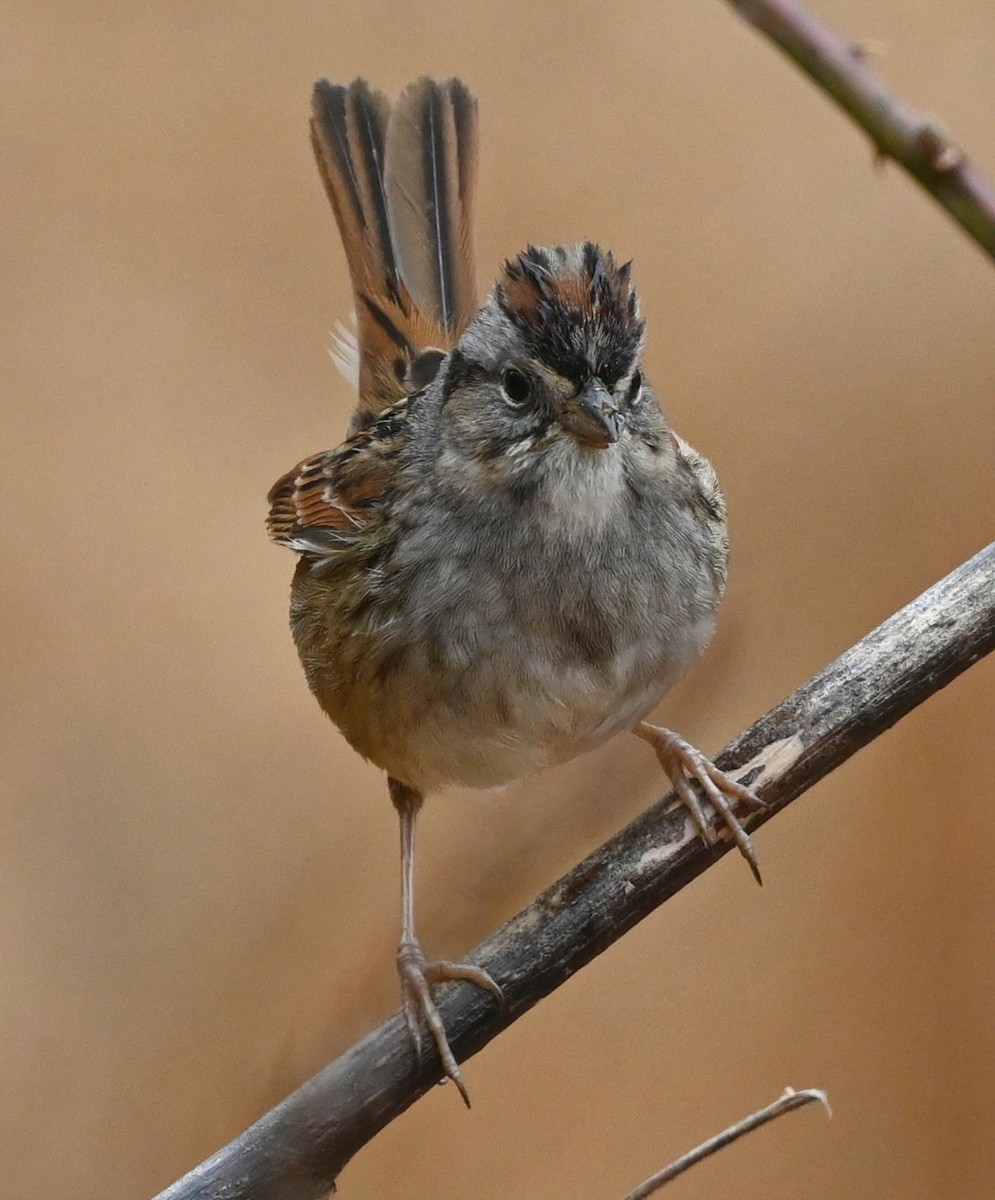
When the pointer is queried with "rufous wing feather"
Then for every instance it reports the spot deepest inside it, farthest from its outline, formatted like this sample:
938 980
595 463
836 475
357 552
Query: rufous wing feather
323 505
305 513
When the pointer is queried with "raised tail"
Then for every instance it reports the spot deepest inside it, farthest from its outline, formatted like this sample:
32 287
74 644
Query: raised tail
401 186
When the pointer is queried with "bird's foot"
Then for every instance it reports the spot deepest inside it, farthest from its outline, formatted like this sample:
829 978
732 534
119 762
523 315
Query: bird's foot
418 976
684 766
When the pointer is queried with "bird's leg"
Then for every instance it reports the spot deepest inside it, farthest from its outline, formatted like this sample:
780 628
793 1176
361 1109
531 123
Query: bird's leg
416 972
684 766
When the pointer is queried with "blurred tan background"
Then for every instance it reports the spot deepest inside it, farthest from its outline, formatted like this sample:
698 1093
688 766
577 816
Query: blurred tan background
198 890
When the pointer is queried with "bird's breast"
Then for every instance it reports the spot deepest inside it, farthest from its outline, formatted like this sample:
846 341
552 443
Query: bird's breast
491 647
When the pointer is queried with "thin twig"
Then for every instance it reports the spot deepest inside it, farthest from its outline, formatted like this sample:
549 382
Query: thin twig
785 1103
296 1151
918 142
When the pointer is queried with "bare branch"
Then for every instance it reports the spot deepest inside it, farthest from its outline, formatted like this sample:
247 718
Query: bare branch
296 1151
787 1102
918 142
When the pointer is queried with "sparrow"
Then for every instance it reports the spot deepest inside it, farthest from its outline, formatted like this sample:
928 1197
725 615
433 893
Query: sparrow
512 556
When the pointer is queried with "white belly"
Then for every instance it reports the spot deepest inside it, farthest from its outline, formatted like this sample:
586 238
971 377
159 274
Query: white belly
556 714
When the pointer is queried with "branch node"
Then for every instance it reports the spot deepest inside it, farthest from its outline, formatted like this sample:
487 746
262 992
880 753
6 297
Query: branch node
918 143
879 159
868 48
942 154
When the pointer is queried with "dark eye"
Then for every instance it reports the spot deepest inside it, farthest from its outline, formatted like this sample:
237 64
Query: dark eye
635 387
516 386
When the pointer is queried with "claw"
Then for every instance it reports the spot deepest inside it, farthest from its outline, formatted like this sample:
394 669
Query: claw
685 765
417 978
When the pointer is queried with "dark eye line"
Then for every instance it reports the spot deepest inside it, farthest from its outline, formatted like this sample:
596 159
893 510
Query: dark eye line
635 386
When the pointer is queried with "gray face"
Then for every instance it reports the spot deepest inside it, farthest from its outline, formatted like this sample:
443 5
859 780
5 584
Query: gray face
500 400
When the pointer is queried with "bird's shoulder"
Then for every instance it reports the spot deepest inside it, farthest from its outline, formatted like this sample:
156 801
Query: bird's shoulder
328 500
704 482
707 503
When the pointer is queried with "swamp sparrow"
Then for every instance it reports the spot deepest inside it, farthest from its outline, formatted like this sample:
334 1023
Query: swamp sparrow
512 557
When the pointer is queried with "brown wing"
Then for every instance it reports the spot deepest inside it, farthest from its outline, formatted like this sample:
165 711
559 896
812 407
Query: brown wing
326 502
401 188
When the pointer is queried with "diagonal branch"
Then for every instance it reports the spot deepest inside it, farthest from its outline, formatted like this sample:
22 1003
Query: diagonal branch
916 141
787 1102
296 1151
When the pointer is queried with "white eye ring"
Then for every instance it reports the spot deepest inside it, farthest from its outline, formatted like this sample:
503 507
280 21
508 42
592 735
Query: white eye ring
634 391
516 387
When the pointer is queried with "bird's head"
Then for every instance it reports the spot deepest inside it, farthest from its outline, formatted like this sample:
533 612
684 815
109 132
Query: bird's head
550 370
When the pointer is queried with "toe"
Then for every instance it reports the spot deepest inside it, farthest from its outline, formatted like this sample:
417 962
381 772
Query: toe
732 787
410 1009
732 823
689 798
686 766
444 971
418 1004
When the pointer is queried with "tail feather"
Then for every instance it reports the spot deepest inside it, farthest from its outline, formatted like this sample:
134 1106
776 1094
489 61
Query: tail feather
401 187
348 131
431 163
464 105
348 127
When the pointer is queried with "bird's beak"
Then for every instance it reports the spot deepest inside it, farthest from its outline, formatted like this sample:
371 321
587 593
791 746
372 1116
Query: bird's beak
591 416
